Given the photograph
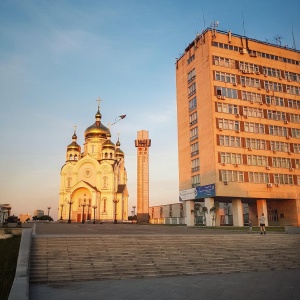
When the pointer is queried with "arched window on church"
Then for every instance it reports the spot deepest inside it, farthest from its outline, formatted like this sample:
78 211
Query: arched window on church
71 157
104 204
105 183
69 181
110 154
106 155
75 157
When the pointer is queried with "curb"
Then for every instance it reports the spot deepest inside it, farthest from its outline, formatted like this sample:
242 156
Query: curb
20 287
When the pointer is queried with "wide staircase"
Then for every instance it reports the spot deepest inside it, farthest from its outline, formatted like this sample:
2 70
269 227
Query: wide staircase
82 258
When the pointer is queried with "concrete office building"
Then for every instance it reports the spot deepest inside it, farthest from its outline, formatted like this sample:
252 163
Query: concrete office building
238 110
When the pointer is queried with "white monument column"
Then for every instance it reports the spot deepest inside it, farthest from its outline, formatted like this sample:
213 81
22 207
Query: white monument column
142 144
190 217
237 212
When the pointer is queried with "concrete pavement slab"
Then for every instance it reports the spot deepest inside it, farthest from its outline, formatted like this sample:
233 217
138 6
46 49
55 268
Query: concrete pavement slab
269 285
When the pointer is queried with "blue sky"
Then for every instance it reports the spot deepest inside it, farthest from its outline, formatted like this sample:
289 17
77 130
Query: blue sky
57 57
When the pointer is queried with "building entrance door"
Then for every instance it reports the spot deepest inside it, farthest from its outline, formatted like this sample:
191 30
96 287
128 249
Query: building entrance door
79 218
273 217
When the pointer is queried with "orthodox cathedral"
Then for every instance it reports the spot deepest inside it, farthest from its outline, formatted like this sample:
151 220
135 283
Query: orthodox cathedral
93 183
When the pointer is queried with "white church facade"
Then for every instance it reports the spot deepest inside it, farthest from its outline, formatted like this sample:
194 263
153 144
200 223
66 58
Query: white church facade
93 182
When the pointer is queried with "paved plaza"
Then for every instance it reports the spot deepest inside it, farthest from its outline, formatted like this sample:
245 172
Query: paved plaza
222 283
269 285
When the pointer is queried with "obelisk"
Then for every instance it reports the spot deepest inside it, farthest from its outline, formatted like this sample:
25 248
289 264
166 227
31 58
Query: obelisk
142 144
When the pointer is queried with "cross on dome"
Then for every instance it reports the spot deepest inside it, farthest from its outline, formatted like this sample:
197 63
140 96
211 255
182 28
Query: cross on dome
75 127
99 100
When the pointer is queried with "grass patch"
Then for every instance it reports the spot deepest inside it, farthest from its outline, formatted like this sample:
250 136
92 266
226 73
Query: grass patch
9 250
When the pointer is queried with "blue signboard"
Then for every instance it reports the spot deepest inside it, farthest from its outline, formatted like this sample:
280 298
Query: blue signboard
198 192
205 191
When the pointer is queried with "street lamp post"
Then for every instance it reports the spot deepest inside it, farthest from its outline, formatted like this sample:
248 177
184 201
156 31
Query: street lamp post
115 202
61 205
70 204
88 214
83 206
94 207
49 207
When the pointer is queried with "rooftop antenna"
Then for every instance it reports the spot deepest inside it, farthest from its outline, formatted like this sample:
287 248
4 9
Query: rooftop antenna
278 39
294 43
214 25
243 23
203 18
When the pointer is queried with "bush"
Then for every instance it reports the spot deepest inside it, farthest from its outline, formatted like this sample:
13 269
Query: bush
12 219
42 218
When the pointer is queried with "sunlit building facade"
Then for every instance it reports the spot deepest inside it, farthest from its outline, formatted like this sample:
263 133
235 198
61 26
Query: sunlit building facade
93 182
238 110
5 210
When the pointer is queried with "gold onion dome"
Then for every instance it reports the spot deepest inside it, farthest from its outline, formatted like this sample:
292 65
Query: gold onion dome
74 146
97 129
108 144
119 152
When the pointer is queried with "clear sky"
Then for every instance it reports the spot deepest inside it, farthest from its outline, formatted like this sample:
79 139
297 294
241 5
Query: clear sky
58 56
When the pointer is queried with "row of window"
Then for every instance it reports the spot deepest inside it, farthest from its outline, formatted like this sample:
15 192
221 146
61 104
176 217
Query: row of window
253 177
250 144
254 82
238 126
258 177
223 92
249 68
258 160
255 112
256 53
251 97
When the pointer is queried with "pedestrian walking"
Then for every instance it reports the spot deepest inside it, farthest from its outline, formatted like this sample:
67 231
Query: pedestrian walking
262 224
250 226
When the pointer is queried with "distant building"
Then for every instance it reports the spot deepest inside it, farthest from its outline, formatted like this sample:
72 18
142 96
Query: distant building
238 112
5 210
93 183
38 213
167 214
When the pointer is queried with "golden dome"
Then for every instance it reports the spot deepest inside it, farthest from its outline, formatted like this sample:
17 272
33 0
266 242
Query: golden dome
119 152
97 129
108 144
74 146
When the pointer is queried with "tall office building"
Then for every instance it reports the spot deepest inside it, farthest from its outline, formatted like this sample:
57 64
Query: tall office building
238 110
